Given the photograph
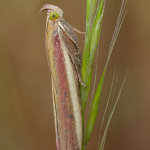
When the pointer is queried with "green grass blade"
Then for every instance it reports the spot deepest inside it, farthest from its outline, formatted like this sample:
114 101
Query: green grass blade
95 9
91 41
96 101
94 109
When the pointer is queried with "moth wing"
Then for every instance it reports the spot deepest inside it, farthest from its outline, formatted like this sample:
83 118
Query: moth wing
71 34
71 49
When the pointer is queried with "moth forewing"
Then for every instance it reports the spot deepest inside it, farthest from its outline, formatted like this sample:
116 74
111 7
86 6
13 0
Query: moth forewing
70 32
74 89
71 41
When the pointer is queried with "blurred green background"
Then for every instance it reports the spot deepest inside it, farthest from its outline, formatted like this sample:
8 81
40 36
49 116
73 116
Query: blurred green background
26 109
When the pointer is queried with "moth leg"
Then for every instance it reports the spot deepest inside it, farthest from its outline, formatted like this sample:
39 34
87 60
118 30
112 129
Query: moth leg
79 77
78 31
80 80
77 71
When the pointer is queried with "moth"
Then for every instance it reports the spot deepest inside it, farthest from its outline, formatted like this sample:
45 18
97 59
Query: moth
64 59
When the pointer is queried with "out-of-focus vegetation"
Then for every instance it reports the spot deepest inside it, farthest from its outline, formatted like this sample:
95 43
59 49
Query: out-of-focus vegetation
26 111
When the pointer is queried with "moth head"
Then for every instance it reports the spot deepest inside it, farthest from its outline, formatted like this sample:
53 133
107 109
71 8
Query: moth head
53 12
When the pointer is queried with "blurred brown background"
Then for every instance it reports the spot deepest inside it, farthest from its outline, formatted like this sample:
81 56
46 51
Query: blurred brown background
26 110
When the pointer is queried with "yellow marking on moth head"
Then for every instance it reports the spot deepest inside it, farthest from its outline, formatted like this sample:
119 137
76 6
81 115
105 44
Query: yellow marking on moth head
53 15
